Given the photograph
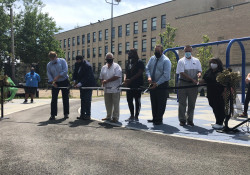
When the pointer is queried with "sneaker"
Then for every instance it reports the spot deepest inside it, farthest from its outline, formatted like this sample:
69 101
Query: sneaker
66 116
114 120
243 115
25 101
52 117
216 126
130 119
106 119
136 118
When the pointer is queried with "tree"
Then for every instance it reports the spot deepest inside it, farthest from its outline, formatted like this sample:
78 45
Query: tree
168 39
204 54
35 36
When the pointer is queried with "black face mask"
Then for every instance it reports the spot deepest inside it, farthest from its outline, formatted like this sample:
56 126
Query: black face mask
109 61
157 54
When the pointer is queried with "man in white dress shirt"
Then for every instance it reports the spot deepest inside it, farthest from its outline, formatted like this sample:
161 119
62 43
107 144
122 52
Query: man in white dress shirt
111 77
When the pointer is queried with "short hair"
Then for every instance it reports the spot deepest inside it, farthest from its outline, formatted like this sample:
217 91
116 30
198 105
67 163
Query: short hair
159 45
52 54
79 57
109 53
218 62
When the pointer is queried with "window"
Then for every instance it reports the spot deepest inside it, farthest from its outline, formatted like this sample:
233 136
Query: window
88 38
93 66
127 29
99 67
94 52
120 48
163 21
73 41
153 42
127 47
83 39
153 23
68 56
83 53
106 34
73 55
113 49
144 25
94 37
78 40
64 44
144 45
88 52
120 63
100 51
68 42
100 35
106 49
113 32
135 27
60 43
78 52
119 31
135 45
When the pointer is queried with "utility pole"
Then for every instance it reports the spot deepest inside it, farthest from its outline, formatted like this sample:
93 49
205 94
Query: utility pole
12 46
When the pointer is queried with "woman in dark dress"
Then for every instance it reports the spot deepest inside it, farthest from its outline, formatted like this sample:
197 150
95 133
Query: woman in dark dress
215 91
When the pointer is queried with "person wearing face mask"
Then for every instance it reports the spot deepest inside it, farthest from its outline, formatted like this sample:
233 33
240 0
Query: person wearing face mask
247 99
32 79
83 76
133 78
158 71
57 71
111 77
189 70
215 91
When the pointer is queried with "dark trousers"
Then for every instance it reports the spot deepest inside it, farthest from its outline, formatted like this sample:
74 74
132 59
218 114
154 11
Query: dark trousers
218 105
86 97
247 99
158 98
131 95
65 96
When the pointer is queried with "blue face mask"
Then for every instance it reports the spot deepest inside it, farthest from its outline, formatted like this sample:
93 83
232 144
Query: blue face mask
187 54
32 71
54 61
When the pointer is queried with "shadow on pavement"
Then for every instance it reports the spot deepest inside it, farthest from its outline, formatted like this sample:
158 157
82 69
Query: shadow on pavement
45 123
77 123
199 130
164 128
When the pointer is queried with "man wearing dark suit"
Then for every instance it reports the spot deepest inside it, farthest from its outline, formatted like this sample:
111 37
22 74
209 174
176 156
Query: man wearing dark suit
83 76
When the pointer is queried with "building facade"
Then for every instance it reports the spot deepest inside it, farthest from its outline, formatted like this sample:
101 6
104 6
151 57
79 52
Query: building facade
219 19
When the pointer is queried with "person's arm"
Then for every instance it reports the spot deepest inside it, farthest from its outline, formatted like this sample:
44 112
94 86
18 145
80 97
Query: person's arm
148 73
50 77
248 79
38 77
64 71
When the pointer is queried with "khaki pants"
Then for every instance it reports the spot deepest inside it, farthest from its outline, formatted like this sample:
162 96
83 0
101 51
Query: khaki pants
112 103
187 95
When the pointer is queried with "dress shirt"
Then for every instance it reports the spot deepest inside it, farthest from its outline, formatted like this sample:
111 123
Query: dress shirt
58 68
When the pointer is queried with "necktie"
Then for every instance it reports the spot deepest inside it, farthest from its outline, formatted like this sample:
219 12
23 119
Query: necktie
153 74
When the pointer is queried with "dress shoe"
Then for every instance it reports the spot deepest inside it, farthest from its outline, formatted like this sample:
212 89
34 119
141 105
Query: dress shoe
157 123
243 115
190 123
106 119
150 121
86 118
52 117
136 118
182 123
66 116
114 120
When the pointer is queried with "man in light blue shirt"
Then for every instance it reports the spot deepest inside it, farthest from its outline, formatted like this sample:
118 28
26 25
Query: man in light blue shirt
32 79
158 71
57 71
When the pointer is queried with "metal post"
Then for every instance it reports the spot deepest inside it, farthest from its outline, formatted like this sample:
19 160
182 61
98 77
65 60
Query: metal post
12 46
2 98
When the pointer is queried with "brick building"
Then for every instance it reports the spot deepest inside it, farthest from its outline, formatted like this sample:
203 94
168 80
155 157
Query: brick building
219 19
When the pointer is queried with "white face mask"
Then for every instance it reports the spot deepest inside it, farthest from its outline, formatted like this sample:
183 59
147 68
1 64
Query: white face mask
213 66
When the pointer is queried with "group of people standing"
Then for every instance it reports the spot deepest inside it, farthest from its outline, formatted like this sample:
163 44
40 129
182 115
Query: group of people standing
158 71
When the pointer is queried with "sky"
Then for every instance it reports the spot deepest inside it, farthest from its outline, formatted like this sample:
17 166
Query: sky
69 14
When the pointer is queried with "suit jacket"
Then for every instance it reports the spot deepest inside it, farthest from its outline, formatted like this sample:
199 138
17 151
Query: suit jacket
83 74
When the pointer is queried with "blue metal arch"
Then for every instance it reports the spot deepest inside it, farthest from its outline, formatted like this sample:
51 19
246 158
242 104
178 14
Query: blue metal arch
230 42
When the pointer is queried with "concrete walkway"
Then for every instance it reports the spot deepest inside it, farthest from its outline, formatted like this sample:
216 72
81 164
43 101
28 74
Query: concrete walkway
203 118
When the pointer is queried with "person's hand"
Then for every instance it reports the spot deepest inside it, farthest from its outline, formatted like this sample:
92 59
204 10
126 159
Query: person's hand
54 84
195 82
78 85
154 85
127 82
104 82
56 78
199 75
149 80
